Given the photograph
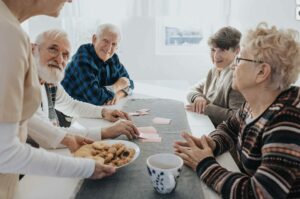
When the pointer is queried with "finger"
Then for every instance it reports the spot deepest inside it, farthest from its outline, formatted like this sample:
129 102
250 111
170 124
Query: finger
189 140
203 106
132 128
204 142
126 116
128 134
133 131
87 141
180 143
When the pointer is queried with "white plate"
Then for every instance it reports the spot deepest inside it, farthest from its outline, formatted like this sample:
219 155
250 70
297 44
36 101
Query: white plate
128 144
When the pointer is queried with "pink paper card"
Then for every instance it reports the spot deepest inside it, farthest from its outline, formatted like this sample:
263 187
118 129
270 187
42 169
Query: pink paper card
133 114
160 120
147 130
149 136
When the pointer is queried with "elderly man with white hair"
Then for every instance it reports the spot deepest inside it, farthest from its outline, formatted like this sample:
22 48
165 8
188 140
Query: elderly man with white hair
95 74
51 51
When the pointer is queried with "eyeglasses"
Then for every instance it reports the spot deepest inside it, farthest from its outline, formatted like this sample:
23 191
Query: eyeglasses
54 51
238 59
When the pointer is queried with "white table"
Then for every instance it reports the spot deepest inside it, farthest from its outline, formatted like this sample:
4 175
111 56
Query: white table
43 187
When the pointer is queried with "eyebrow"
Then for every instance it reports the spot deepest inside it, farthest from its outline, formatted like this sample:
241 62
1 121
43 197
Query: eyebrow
57 46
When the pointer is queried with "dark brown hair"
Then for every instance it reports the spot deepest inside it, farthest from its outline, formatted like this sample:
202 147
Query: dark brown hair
226 38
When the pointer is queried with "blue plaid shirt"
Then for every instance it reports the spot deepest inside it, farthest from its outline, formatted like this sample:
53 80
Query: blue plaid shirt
87 75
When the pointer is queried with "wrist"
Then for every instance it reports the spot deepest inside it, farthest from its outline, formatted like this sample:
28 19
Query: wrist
66 140
104 132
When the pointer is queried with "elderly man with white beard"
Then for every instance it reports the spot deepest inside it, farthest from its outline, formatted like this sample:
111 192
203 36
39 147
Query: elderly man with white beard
51 51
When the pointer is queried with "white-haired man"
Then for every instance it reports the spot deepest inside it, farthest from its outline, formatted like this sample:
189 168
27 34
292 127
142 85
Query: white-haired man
95 74
51 51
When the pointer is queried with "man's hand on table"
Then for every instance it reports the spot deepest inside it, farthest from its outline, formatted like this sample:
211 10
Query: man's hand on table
119 95
198 106
74 142
114 115
194 150
120 127
102 171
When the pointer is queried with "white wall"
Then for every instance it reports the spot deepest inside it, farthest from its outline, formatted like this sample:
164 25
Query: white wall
247 14
137 50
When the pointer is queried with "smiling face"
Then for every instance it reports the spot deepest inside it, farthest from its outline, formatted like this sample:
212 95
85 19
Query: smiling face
222 57
52 56
106 44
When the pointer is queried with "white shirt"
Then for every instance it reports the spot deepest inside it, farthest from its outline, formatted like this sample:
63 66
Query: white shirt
48 135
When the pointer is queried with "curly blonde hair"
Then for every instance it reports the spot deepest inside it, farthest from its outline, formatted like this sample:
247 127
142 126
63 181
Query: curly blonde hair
280 49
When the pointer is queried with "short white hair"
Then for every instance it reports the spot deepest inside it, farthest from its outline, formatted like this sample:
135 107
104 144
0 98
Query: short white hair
108 28
53 34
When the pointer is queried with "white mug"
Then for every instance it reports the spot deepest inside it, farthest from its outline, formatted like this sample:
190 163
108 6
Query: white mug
164 170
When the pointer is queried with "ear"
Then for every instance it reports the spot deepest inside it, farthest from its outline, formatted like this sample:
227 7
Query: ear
263 72
94 39
34 48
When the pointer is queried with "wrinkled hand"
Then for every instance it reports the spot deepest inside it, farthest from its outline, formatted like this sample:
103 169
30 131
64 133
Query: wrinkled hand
197 141
74 142
191 153
114 115
122 83
120 127
198 106
102 171
119 95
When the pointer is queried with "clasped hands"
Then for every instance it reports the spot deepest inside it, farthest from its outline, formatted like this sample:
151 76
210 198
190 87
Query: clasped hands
193 150
198 106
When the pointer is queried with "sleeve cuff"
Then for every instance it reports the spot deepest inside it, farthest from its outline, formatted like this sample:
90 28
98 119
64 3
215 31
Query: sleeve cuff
205 164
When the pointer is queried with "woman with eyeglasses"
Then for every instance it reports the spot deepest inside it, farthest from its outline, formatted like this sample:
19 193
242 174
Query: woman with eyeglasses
265 130
215 97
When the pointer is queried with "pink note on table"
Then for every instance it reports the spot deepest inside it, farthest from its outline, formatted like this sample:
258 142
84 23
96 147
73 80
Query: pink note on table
147 129
133 114
149 136
160 120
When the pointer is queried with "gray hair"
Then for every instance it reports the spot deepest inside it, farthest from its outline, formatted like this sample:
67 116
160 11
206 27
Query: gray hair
108 28
52 33
280 49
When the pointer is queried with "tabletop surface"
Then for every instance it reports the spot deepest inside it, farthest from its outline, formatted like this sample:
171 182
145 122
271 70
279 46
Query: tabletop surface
36 187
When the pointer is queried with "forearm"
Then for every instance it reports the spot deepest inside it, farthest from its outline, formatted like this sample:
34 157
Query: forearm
21 158
217 113
44 132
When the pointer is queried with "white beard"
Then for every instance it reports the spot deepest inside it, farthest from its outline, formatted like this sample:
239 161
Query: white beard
48 74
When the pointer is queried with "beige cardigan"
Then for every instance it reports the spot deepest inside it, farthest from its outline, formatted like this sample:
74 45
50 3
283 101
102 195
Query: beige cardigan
225 101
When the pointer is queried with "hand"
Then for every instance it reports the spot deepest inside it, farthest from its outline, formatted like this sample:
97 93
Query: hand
119 95
120 127
114 115
74 142
198 106
191 153
102 171
122 83
197 141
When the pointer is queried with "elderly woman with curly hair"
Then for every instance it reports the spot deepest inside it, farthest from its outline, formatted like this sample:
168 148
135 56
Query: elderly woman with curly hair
265 131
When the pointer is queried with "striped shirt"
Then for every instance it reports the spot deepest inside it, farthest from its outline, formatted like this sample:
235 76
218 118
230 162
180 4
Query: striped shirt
87 77
268 152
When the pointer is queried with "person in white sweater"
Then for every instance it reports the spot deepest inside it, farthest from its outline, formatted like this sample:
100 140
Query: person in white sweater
20 98
51 51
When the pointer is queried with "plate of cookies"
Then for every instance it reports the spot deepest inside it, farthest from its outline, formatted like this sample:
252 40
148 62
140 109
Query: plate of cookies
118 153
